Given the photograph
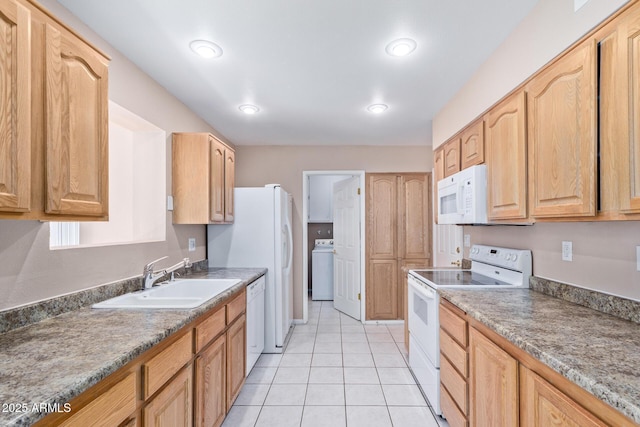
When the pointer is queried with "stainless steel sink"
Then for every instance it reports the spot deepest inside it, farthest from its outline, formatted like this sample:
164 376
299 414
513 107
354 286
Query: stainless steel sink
179 294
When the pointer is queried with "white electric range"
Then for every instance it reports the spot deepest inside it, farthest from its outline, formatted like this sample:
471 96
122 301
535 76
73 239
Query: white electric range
491 267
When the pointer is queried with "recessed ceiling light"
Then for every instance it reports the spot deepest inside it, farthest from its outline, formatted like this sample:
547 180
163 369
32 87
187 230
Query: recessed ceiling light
401 47
377 108
205 48
248 109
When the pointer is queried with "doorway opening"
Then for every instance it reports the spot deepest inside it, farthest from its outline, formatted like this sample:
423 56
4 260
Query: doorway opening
318 222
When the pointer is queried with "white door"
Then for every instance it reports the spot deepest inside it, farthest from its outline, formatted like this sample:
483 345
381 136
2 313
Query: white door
346 244
448 245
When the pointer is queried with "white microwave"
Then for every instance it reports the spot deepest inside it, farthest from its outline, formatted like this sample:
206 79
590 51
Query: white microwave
462 197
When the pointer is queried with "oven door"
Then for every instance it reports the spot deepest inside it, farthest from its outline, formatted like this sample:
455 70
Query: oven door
423 319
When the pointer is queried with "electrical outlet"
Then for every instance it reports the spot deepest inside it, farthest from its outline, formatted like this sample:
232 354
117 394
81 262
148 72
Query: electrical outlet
567 251
467 240
169 203
192 244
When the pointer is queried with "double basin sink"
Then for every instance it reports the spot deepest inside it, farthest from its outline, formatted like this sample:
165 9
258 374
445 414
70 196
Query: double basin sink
178 294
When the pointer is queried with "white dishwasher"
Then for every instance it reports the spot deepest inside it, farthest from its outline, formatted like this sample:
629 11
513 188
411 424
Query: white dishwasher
255 322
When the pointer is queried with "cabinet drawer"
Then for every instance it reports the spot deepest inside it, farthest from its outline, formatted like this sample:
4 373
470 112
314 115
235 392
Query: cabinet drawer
164 365
454 417
110 409
455 384
456 354
210 328
454 325
237 306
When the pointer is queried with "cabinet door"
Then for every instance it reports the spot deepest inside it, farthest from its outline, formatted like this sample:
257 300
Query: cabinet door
382 213
562 136
382 289
415 216
229 183
493 384
452 157
173 405
15 107
541 405
76 131
438 165
217 180
236 359
506 158
472 145
211 379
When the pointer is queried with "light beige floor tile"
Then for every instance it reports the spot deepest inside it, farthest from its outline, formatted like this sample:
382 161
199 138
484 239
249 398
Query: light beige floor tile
326 360
328 347
361 376
286 395
280 416
242 416
407 416
321 375
328 328
395 376
269 360
382 347
305 346
368 416
291 376
354 337
383 360
376 329
335 337
364 395
352 329
358 360
356 347
403 395
325 394
295 360
380 338
324 416
252 395
396 329
261 375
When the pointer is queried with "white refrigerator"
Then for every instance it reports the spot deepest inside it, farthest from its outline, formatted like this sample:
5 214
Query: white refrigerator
260 236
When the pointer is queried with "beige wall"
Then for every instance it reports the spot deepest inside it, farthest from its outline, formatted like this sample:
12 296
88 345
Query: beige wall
604 255
550 27
257 166
29 271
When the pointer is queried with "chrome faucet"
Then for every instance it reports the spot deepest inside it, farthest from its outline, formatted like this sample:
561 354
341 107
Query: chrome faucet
149 277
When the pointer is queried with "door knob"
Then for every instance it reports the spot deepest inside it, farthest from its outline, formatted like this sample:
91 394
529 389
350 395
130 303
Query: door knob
456 263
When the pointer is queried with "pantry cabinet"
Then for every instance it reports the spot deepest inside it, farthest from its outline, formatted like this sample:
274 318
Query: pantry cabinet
472 145
506 158
451 155
398 210
54 114
203 179
562 114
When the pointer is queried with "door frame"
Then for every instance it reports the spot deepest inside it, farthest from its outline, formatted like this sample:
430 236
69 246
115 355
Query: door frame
305 232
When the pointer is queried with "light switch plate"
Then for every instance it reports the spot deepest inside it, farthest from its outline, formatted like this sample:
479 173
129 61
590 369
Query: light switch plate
467 240
192 244
567 251
169 203
638 258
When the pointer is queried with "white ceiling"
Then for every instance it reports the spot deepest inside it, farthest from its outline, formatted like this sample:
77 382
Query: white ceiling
311 66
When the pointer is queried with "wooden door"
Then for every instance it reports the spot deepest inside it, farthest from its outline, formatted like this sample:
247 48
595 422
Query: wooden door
229 183
382 213
493 384
217 180
451 157
382 289
562 114
541 405
236 359
414 216
173 405
15 107
211 379
76 130
506 158
472 145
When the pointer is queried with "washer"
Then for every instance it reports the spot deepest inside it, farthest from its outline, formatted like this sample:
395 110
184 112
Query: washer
322 270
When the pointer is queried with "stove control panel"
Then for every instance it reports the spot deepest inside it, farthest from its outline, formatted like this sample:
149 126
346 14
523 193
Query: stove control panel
513 259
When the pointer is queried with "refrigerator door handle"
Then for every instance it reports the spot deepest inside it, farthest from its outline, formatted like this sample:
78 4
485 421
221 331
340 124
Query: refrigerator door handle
288 247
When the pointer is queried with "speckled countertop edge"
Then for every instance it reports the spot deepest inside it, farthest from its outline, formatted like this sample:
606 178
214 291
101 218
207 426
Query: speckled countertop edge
55 360
597 351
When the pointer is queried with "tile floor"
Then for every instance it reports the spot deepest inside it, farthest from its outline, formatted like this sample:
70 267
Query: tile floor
334 372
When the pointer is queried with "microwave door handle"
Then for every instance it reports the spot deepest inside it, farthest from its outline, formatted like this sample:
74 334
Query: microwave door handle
460 200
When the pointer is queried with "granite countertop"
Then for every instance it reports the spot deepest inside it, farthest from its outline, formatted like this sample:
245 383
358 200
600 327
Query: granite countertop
55 360
597 351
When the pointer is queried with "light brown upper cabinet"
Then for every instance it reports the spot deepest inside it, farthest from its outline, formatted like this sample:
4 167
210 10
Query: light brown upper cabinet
562 114
53 119
398 210
203 170
451 155
506 158
438 164
472 145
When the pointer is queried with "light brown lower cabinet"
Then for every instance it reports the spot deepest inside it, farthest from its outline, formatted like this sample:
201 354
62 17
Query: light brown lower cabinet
211 380
236 359
173 405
